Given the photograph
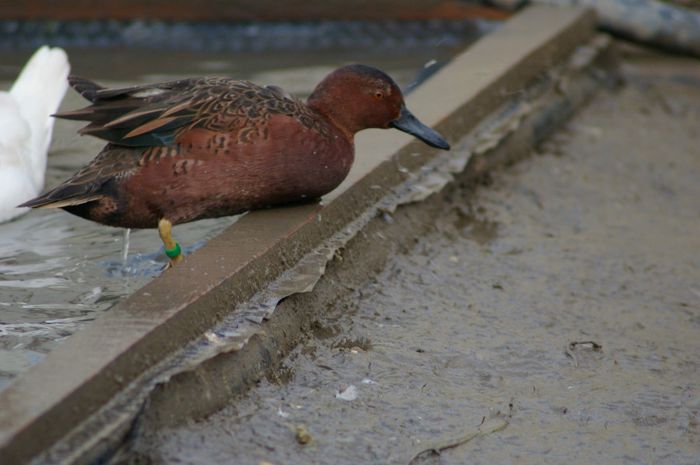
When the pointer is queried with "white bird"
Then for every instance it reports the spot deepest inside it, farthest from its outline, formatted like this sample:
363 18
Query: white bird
26 125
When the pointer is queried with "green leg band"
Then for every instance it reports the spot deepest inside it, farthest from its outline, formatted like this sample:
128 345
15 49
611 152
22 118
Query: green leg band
174 252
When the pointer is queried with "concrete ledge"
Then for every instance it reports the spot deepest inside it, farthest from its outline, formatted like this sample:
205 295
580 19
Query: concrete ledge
104 359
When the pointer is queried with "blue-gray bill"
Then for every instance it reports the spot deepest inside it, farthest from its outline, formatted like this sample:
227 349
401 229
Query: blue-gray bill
406 122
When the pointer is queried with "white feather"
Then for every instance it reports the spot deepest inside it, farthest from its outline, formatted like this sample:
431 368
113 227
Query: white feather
26 127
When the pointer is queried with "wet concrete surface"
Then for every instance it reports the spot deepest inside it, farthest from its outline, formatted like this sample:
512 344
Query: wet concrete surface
551 317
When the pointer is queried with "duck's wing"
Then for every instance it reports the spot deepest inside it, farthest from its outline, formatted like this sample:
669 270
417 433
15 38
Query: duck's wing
113 162
157 114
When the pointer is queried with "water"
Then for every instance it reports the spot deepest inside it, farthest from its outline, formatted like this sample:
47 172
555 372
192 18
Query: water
57 271
241 36
125 246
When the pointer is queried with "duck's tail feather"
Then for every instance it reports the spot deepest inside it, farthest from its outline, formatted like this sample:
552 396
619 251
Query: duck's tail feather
62 196
40 202
85 87
38 90
74 191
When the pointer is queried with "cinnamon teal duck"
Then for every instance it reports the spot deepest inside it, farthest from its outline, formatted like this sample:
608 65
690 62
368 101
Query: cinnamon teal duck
207 147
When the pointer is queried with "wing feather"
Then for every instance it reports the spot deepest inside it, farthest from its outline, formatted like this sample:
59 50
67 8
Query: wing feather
156 114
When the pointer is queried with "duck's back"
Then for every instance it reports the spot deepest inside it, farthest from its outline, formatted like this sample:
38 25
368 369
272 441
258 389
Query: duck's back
157 114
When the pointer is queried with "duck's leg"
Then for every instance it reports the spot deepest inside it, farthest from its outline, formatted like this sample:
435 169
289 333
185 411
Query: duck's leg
172 248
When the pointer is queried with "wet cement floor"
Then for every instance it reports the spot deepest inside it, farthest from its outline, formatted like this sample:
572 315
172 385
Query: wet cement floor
552 317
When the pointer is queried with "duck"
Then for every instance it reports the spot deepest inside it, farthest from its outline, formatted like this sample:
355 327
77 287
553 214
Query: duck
26 122
207 147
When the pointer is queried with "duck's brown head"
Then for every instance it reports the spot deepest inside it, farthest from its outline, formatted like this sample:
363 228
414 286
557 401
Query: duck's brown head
357 97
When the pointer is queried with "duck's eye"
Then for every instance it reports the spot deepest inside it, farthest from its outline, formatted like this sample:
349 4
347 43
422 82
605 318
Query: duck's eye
378 95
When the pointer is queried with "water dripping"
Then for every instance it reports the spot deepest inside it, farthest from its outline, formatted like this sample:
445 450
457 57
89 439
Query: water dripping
125 246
